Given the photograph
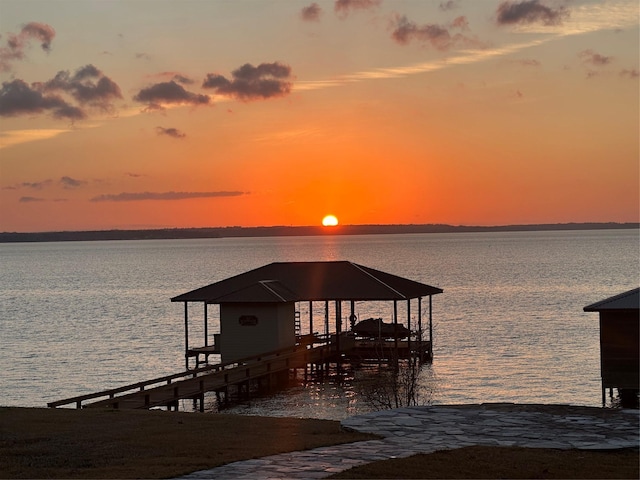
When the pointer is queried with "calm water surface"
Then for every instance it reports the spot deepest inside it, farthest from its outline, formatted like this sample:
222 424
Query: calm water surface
78 317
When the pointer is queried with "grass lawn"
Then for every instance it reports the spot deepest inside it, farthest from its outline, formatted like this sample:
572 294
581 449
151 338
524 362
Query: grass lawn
504 462
64 443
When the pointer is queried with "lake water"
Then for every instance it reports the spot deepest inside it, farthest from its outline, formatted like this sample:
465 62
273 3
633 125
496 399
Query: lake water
79 317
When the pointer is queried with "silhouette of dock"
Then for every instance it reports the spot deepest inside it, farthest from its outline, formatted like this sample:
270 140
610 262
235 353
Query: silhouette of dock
267 372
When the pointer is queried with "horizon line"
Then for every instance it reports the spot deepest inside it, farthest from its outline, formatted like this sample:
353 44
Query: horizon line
329 228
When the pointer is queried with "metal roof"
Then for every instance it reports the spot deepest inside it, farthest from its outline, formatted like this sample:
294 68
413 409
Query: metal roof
305 281
624 301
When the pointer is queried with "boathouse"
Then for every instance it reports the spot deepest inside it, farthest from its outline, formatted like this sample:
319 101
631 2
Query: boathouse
258 309
261 338
619 345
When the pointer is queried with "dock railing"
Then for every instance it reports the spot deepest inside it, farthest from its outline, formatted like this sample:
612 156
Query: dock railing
168 379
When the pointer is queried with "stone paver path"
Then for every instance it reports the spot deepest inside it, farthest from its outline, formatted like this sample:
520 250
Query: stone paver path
408 431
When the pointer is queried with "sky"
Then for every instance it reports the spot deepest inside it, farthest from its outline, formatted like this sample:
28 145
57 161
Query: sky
139 114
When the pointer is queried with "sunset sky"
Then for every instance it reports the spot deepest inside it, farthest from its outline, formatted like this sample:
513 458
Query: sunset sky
202 113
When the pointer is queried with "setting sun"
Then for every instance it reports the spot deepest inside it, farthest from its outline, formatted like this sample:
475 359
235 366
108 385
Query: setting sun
330 221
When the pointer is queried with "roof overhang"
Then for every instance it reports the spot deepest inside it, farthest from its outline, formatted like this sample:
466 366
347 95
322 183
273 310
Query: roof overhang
309 281
629 300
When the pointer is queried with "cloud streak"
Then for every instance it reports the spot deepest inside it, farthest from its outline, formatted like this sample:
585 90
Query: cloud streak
9 138
141 196
30 199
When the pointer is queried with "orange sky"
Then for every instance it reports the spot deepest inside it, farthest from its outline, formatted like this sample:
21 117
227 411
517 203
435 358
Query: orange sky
134 114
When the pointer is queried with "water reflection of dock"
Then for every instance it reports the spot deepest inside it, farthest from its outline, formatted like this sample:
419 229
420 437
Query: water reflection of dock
259 313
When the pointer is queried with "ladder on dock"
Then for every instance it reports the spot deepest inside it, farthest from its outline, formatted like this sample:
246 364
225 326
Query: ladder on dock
297 325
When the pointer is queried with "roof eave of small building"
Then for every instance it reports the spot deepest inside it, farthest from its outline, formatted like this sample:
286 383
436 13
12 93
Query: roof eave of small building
629 300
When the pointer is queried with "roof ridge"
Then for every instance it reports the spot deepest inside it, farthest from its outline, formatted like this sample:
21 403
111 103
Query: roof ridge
362 269
264 284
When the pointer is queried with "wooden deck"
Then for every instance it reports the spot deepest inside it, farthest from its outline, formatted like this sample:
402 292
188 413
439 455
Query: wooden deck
375 351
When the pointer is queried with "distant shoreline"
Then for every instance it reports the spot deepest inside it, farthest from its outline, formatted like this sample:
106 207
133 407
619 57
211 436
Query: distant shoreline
283 231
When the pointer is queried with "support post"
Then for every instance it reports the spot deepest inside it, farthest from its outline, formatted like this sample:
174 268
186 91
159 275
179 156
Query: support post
311 317
409 325
206 326
326 319
338 325
420 327
352 316
395 325
431 327
206 334
186 334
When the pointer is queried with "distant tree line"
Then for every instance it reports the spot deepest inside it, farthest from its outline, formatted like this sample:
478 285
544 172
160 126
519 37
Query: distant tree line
280 231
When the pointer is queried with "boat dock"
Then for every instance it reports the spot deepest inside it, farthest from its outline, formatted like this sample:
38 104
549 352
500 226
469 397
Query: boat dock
261 335
192 384
269 371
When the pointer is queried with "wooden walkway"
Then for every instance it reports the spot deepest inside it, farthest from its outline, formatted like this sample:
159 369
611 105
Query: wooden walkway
193 384
167 391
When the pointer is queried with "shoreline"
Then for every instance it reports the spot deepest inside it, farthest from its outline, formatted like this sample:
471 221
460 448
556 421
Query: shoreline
286 231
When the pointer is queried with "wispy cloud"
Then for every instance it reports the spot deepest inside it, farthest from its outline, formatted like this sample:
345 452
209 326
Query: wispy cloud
171 132
65 181
140 196
438 36
344 7
88 85
526 62
593 58
267 80
30 199
311 13
583 19
19 98
175 76
288 135
9 138
36 185
448 5
592 17
158 95
17 44
530 11
68 182
630 73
